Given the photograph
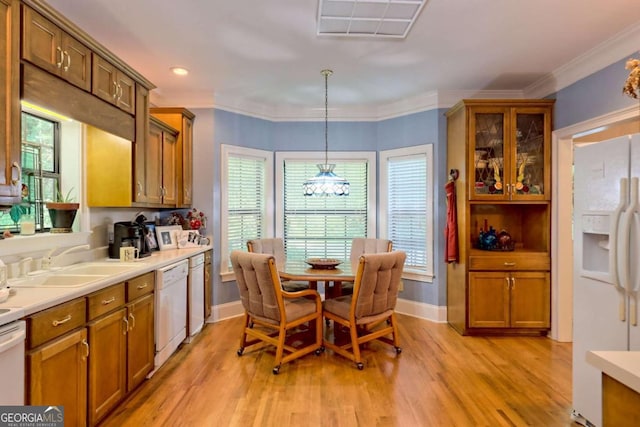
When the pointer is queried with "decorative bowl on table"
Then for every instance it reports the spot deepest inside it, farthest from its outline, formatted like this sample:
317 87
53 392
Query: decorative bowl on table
323 263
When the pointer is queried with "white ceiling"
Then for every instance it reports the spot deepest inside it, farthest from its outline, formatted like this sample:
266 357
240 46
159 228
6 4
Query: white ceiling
264 57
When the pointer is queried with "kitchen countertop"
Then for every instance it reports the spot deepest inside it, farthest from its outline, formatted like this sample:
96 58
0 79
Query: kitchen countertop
27 301
623 366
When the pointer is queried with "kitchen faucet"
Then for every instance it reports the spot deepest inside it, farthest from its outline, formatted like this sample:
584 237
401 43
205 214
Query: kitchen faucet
48 260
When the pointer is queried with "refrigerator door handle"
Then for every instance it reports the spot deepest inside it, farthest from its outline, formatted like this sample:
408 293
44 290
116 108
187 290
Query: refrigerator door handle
622 244
614 228
632 291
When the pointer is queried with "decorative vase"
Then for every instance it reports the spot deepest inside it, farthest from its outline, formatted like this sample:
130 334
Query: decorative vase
62 216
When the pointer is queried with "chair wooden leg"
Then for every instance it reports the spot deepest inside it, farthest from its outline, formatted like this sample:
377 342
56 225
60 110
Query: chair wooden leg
243 336
394 325
355 347
280 349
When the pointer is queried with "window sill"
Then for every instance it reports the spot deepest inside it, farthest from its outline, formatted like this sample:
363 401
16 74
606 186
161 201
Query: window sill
417 276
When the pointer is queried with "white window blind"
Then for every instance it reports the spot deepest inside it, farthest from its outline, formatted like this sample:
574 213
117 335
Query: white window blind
408 220
245 199
323 226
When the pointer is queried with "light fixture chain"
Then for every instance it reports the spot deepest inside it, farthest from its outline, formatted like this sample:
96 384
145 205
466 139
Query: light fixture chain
326 115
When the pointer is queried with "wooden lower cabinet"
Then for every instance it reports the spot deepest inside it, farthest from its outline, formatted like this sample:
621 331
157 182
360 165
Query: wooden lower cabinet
140 340
509 299
107 363
620 404
89 353
57 376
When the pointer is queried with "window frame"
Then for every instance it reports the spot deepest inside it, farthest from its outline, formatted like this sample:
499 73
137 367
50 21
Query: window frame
236 151
334 156
385 155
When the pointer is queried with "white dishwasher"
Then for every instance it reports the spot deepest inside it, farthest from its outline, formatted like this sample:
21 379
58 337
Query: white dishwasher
170 310
196 296
12 338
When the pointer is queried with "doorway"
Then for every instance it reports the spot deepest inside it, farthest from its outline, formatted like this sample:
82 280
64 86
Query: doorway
609 126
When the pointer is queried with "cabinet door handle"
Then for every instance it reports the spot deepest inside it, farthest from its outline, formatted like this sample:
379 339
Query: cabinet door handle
133 320
16 166
126 326
108 301
60 56
506 279
139 185
86 346
62 321
66 67
509 264
120 92
513 283
115 90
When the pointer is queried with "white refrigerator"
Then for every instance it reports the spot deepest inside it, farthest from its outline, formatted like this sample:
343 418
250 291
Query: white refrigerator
606 262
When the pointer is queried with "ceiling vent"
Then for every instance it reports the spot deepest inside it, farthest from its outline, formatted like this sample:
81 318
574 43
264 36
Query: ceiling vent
367 18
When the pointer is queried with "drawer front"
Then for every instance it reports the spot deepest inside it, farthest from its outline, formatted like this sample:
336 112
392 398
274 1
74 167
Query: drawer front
537 262
106 300
141 285
56 321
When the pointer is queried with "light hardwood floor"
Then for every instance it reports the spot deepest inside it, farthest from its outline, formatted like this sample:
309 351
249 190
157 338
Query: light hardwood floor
439 379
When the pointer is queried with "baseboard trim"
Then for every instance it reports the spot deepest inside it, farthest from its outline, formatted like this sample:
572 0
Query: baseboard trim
420 310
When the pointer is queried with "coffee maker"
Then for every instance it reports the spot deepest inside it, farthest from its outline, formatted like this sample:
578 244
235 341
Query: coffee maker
130 234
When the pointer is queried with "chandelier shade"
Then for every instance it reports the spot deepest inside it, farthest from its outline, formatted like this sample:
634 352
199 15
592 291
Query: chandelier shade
326 182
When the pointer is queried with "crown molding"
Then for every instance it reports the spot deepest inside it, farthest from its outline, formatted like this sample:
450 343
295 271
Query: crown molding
599 57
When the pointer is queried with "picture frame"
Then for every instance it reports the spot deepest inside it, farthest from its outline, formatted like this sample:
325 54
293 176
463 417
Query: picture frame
167 236
188 238
150 236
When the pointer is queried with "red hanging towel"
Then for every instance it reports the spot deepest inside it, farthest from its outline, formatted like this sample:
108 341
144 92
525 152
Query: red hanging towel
451 229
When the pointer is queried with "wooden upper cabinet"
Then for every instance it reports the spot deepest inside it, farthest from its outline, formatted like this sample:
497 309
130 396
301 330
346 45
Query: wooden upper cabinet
169 166
10 185
113 85
155 166
182 120
509 151
44 44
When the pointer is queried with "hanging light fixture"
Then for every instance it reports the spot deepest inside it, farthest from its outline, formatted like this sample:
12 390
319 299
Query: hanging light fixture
326 183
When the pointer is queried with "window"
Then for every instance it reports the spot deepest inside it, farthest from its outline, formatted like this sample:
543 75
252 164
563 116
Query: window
324 226
406 217
40 152
246 200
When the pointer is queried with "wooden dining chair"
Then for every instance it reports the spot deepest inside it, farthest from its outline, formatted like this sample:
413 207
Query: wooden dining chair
272 313
275 247
369 313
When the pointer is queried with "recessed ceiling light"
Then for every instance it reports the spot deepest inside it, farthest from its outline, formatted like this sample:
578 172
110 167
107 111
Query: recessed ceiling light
179 71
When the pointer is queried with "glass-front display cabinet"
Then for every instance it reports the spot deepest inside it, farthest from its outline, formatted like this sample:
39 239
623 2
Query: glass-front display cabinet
509 156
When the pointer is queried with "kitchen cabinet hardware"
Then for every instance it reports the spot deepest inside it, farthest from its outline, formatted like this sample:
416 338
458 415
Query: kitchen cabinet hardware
61 321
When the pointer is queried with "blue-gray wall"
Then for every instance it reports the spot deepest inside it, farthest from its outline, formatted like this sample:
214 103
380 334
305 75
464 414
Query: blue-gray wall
593 96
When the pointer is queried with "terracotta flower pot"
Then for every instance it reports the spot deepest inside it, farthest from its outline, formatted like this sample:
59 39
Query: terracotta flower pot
62 216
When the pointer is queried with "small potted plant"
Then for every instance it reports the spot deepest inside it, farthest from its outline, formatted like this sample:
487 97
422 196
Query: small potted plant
62 212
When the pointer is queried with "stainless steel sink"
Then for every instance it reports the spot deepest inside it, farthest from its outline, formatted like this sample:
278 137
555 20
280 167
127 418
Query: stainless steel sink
55 280
100 269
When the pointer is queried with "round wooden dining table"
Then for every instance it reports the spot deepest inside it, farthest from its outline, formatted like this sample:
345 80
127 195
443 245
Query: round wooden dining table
332 277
